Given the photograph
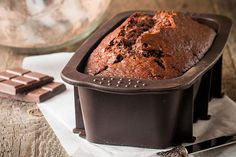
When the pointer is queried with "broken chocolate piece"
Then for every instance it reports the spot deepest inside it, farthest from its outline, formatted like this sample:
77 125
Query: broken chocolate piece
19 80
39 94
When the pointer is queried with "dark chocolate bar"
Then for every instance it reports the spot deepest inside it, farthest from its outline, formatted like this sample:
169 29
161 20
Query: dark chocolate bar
40 94
18 80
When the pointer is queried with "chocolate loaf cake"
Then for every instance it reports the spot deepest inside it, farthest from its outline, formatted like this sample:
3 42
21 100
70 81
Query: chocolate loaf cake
156 47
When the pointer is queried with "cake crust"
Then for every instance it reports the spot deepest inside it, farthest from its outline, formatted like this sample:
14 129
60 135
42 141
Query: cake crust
156 47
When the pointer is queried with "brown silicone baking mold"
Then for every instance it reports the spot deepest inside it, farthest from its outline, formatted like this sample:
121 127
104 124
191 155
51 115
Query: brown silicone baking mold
145 113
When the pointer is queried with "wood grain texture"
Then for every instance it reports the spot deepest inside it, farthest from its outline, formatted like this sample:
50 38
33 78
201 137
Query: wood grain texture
229 62
23 135
227 8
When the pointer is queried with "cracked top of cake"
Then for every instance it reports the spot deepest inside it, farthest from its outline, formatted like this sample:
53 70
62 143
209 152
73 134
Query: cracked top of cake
156 47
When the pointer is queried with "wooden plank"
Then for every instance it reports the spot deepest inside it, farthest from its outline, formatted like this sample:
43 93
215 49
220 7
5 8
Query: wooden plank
14 59
117 6
9 58
227 8
169 5
4 56
186 5
24 135
229 75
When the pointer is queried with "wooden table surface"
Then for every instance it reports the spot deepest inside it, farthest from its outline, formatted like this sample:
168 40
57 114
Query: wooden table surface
23 134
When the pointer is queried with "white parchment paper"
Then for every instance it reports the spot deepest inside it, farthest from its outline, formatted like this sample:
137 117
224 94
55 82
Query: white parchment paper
59 112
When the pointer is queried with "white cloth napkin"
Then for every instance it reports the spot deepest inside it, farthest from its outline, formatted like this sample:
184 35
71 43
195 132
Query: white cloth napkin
60 114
